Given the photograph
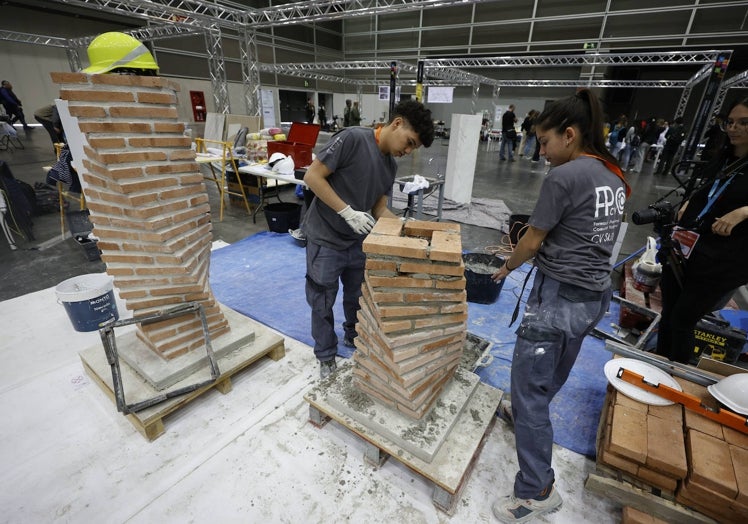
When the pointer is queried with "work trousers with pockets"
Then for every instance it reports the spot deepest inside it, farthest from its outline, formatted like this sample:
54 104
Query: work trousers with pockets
557 318
325 269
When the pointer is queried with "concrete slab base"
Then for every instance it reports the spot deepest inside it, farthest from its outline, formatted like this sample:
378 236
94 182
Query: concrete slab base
422 438
161 373
450 466
149 421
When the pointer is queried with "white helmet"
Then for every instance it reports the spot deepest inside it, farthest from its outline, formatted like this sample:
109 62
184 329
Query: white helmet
275 157
285 166
732 391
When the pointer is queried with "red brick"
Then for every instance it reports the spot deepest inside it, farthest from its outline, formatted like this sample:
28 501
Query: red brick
710 464
87 111
422 228
432 269
96 96
628 434
106 143
666 448
162 169
148 97
740 465
388 226
129 80
115 127
160 141
396 246
168 127
59 77
381 265
143 112
181 154
446 247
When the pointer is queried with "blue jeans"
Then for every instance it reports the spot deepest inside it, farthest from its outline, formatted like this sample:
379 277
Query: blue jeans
529 146
508 144
325 268
557 318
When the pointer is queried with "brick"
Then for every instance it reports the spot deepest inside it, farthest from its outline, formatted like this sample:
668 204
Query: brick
710 464
449 283
703 425
168 127
381 265
59 77
160 141
181 154
115 127
631 515
388 226
739 458
672 412
96 96
439 320
618 462
657 479
143 112
446 247
630 403
129 80
148 97
666 448
106 143
432 269
736 438
628 434
164 169
397 282
407 311
396 246
137 156
426 229
87 111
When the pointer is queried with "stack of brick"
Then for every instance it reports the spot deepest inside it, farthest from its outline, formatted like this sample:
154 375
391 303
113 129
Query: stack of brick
147 201
412 322
700 463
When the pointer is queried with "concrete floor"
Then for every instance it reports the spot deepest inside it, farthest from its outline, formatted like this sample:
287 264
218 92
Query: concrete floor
250 455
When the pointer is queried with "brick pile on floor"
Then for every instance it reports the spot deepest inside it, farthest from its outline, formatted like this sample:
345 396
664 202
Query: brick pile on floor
147 201
413 317
694 460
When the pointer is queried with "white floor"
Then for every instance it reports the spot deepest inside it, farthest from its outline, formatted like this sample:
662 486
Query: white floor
249 456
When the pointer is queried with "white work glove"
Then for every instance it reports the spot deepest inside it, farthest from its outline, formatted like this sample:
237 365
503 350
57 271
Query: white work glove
359 221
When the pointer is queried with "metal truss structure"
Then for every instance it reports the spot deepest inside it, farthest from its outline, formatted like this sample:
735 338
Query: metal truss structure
182 17
738 81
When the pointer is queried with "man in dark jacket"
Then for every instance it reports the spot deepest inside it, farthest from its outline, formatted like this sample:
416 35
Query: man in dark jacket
673 140
12 104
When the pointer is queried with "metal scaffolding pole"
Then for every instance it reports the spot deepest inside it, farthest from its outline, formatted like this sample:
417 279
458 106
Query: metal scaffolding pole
74 59
250 72
217 68
739 80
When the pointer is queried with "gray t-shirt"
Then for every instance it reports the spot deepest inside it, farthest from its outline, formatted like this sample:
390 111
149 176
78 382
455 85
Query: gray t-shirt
580 205
361 175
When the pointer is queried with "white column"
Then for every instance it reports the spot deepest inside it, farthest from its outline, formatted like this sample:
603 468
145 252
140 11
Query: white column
464 135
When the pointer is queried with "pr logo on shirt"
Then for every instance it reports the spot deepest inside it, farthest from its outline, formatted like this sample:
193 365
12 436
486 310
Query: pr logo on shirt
609 202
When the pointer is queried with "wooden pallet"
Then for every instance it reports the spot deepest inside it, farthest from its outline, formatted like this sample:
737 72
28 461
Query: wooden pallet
149 422
450 468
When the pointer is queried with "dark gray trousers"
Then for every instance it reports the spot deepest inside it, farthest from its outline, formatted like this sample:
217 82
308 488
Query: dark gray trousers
325 269
557 318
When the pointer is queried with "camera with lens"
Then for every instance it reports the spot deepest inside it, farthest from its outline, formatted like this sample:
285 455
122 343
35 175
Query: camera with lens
659 213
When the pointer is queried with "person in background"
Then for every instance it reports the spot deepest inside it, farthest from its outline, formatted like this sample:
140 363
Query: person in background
649 138
351 178
347 113
12 105
571 234
716 139
673 139
508 133
630 151
49 118
355 116
322 114
716 264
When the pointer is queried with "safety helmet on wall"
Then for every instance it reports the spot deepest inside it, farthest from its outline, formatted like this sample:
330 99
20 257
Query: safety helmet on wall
114 50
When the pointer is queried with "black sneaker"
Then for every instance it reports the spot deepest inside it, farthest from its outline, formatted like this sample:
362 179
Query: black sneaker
505 409
327 368
349 342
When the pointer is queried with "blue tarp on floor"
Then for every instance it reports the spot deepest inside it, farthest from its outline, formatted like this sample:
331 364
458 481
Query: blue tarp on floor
262 277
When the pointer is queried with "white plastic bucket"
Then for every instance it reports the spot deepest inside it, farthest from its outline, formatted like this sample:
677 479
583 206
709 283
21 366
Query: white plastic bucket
88 300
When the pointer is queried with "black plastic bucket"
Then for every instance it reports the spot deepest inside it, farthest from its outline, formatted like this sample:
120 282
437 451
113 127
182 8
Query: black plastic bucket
517 225
282 216
478 270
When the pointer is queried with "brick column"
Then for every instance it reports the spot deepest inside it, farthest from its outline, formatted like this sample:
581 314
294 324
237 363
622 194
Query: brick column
147 200
413 317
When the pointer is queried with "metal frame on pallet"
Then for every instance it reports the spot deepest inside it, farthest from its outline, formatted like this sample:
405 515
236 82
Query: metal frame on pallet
110 348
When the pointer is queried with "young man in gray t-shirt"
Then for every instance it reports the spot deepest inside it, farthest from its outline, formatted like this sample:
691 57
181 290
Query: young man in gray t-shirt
351 178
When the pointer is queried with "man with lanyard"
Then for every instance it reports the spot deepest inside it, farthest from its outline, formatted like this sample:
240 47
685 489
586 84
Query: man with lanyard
351 177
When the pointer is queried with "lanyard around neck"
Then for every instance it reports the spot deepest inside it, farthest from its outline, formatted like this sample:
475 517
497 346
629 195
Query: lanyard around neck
716 191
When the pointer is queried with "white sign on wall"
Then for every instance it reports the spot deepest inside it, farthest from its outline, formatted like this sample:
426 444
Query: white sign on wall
439 94
384 92
268 107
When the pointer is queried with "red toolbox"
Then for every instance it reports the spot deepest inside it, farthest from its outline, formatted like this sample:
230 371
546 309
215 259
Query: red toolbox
301 140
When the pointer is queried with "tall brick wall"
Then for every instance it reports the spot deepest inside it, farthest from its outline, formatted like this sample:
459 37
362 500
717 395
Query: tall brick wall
147 200
413 317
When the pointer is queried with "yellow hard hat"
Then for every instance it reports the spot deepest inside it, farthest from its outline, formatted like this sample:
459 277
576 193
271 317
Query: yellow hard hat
113 50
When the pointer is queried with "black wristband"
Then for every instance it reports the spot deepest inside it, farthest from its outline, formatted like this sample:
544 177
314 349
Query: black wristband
506 265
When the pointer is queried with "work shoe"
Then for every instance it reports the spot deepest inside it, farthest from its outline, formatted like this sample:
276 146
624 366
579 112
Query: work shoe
513 509
349 342
327 368
505 409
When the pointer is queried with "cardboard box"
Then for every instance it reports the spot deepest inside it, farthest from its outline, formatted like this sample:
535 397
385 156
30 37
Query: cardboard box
301 141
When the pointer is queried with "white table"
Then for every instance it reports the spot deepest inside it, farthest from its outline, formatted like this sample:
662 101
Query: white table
275 180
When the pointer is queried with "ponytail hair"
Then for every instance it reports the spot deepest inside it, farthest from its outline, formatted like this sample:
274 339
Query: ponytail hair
583 111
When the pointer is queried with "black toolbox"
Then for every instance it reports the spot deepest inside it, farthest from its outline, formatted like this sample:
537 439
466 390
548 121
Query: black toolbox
80 227
717 339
